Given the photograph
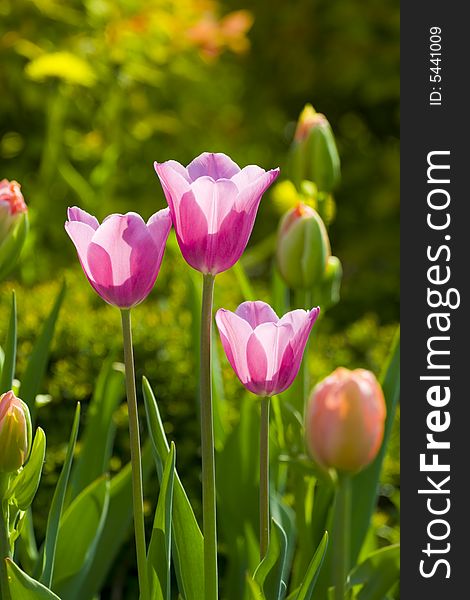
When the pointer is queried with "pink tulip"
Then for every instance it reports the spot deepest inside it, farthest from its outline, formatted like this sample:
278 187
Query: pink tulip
345 420
265 351
121 257
213 205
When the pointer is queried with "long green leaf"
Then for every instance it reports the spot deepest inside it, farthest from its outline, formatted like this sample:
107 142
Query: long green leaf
377 574
365 484
117 527
23 488
243 282
308 585
268 574
98 437
24 587
79 532
187 539
37 363
9 362
57 504
159 552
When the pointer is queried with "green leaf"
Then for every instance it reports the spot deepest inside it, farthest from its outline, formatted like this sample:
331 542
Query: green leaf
57 504
268 574
23 587
79 532
365 484
187 542
243 282
378 573
23 488
308 585
9 362
37 363
98 437
117 527
285 515
159 552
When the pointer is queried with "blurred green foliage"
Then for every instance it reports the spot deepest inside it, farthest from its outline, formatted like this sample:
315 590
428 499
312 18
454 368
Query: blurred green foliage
94 91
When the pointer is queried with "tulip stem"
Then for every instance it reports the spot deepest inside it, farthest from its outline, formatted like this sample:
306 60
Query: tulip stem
136 458
5 551
264 478
207 445
342 535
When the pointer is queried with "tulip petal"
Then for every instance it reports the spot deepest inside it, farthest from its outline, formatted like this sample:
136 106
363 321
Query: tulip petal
256 313
191 232
216 199
274 338
175 184
215 165
250 195
159 226
257 361
247 175
81 235
77 214
234 333
293 353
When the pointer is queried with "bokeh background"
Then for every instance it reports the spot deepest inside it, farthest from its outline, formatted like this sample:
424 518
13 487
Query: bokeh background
93 91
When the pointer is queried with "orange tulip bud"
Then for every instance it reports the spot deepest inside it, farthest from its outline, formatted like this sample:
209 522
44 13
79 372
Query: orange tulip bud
345 420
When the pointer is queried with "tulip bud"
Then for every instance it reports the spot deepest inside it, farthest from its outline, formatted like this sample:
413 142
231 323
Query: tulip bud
13 224
345 420
313 154
15 433
303 247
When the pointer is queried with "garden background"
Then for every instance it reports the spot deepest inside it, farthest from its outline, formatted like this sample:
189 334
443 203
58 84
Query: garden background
94 91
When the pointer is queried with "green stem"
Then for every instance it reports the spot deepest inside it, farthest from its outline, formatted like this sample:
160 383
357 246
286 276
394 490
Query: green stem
342 535
207 445
5 550
4 553
264 478
136 460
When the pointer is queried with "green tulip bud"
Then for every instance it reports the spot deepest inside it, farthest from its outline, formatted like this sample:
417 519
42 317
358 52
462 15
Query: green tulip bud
303 247
313 154
15 433
13 225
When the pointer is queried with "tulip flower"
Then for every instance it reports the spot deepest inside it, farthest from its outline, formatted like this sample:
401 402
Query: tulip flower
303 248
213 205
15 433
121 257
345 420
265 352
13 224
313 154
